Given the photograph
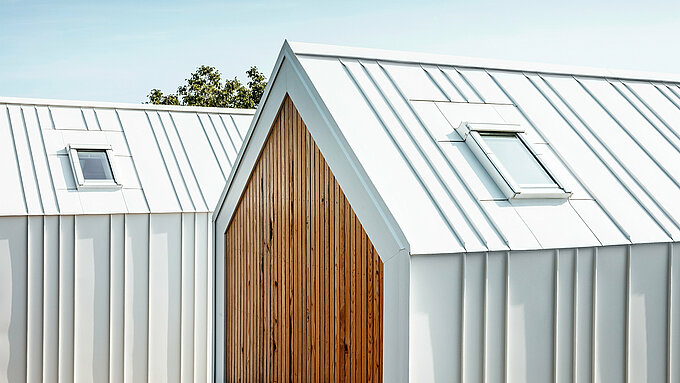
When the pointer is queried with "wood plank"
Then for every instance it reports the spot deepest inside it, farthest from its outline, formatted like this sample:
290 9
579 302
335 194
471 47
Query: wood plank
304 283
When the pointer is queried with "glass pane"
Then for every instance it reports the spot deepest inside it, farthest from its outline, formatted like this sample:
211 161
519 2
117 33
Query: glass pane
95 165
517 159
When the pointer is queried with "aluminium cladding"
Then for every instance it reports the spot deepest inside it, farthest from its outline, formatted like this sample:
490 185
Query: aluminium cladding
167 158
612 137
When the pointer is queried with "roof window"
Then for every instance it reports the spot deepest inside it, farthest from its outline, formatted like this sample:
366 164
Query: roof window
511 161
93 166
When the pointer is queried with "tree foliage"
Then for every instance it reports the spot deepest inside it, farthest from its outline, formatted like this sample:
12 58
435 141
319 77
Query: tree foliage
205 87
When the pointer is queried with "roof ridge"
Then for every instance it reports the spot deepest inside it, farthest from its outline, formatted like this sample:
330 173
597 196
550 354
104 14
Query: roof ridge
115 105
312 49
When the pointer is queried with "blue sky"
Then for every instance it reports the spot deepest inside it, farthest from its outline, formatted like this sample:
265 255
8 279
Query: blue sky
117 51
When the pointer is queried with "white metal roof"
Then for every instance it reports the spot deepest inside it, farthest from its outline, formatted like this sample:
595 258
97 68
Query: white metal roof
168 158
613 137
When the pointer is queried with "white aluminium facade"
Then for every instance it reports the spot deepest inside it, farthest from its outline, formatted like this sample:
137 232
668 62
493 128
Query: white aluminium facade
580 283
105 272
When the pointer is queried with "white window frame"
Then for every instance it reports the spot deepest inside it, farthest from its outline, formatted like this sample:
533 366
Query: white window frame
81 182
470 132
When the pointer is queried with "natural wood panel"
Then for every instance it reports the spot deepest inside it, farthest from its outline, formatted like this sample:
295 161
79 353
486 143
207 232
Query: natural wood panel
304 283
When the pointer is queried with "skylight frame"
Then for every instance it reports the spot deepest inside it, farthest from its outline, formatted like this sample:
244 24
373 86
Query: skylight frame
81 182
472 135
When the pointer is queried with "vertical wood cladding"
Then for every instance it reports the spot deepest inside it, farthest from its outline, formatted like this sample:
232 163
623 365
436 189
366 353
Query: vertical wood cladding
304 283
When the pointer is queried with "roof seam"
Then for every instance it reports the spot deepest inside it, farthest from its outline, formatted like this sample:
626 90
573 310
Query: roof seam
174 157
644 115
607 166
165 164
47 160
219 138
630 135
558 154
453 170
423 154
16 157
401 152
127 145
191 167
212 149
32 158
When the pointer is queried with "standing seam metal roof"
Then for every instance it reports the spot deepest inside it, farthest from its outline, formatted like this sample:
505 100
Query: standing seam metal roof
612 136
168 158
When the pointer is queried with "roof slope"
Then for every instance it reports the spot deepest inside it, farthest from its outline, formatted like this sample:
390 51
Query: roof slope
168 159
612 137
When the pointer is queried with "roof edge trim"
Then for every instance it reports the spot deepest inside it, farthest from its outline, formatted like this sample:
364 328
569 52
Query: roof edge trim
323 50
114 105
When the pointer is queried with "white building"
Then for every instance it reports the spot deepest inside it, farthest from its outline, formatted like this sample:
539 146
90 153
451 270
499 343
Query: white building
528 216
105 263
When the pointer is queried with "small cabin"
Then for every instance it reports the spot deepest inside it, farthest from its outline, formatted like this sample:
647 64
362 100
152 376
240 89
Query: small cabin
413 217
105 238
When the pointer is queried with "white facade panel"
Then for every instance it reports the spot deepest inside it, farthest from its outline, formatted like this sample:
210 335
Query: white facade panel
104 297
533 331
13 298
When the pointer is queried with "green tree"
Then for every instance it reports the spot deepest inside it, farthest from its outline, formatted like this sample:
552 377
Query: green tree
204 87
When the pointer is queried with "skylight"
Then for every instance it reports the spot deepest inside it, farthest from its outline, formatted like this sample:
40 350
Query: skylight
93 166
511 162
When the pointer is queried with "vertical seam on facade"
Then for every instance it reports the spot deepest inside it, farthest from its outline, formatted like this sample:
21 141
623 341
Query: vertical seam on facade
506 317
73 299
181 296
574 328
462 319
556 295
627 319
485 348
148 293
108 374
669 316
593 339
